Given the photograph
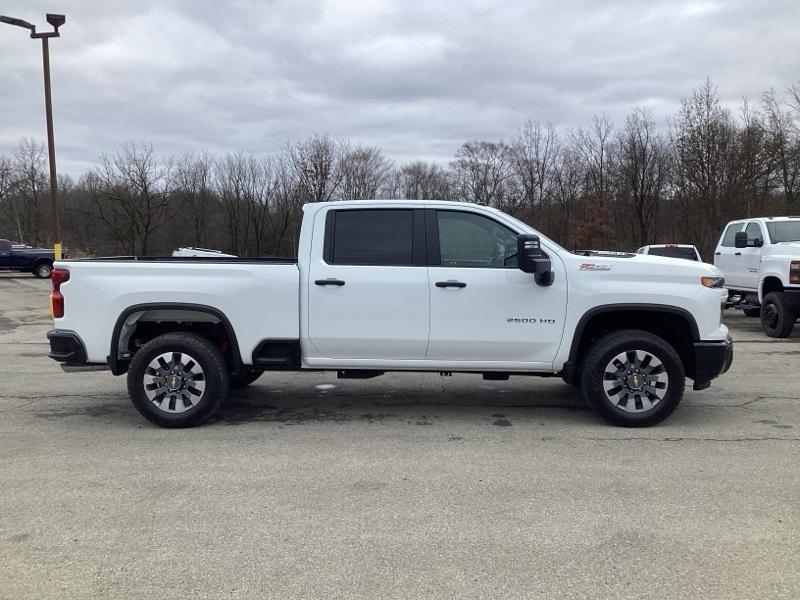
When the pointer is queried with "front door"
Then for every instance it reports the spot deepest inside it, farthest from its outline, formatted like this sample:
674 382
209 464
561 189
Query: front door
483 308
725 256
368 287
750 257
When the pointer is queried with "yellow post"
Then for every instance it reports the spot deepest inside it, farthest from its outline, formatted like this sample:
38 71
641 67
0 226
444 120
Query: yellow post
57 250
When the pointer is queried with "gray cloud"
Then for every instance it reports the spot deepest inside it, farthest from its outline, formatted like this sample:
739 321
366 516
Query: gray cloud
416 79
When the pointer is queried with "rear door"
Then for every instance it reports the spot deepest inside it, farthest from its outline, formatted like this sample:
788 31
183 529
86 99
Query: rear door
483 308
725 254
368 285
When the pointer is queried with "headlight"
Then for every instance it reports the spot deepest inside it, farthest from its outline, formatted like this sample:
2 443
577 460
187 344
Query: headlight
713 282
794 271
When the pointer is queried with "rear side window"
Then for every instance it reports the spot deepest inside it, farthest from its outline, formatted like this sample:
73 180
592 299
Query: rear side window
675 252
729 239
5 246
371 237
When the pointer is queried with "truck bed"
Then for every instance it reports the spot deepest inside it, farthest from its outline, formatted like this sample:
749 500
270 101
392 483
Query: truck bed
258 296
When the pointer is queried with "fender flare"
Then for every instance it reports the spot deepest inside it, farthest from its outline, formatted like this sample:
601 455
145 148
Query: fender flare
569 369
118 367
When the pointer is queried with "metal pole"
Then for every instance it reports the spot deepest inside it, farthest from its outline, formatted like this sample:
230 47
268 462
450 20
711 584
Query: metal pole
51 145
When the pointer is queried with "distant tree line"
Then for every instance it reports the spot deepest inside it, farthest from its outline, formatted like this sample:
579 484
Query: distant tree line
603 185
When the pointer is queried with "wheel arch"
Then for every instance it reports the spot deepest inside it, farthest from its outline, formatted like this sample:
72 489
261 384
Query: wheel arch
675 324
770 283
119 365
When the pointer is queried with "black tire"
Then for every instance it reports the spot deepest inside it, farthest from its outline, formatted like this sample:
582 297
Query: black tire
777 319
663 367
752 312
240 381
43 269
194 360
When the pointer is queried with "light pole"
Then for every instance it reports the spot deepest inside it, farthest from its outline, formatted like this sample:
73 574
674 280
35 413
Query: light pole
56 21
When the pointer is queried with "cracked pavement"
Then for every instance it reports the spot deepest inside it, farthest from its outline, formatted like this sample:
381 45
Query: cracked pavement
403 486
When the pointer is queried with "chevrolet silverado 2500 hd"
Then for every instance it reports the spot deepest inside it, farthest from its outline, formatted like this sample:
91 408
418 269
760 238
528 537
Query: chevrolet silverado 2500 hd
396 286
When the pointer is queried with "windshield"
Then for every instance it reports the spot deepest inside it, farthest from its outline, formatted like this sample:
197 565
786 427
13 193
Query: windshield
784 231
675 252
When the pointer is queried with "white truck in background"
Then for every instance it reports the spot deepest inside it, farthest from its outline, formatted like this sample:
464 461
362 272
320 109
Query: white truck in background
396 286
760 258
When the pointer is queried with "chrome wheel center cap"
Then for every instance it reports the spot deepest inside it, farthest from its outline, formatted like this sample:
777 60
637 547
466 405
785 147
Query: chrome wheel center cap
635 381
173 382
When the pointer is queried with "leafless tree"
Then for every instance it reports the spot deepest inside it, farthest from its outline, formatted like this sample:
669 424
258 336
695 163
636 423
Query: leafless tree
481 171
365 172
782 123
317 164
643 168
193 191
533 156
134 201
419 180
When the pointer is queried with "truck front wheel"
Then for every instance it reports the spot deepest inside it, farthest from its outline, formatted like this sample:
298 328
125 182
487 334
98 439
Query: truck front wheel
632 378
777 319
177 380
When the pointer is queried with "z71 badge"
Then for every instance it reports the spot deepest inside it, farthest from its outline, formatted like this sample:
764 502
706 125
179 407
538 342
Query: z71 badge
594 267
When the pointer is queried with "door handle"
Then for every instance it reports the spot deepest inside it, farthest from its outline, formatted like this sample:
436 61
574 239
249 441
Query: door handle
329 281
451 283
717 253
737 253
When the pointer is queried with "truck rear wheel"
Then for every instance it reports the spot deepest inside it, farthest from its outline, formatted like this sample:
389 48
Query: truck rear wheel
777 319
632 378
177 380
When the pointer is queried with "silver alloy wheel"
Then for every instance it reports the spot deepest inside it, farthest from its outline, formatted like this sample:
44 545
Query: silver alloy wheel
174 382
635 381
44 271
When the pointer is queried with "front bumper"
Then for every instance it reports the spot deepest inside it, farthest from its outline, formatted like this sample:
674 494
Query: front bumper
711 359
66 347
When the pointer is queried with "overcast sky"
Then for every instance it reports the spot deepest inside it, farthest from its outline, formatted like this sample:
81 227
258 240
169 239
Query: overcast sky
414 78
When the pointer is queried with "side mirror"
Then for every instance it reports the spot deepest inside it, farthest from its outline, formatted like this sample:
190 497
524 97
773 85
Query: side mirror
740 241
531 259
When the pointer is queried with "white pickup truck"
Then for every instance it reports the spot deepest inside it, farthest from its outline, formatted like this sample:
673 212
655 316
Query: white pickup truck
396 286
760 259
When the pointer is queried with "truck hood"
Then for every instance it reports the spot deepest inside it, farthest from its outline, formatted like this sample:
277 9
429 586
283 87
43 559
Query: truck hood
787 249
642 266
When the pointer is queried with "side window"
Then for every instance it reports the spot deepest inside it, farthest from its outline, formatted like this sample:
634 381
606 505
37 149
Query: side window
730 235
470 240
5 246
371 237
754 232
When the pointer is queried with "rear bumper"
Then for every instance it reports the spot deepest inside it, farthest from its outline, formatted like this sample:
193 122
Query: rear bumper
66 347
711 359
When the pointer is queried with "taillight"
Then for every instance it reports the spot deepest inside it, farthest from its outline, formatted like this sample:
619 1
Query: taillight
794 271
58 277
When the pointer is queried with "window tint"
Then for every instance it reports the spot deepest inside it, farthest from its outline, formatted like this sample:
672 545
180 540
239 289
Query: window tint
729 238
5 246
675 252
470 240
373 237
753 232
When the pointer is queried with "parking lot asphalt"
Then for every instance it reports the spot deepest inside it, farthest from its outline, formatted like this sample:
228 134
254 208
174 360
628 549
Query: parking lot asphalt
404 486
